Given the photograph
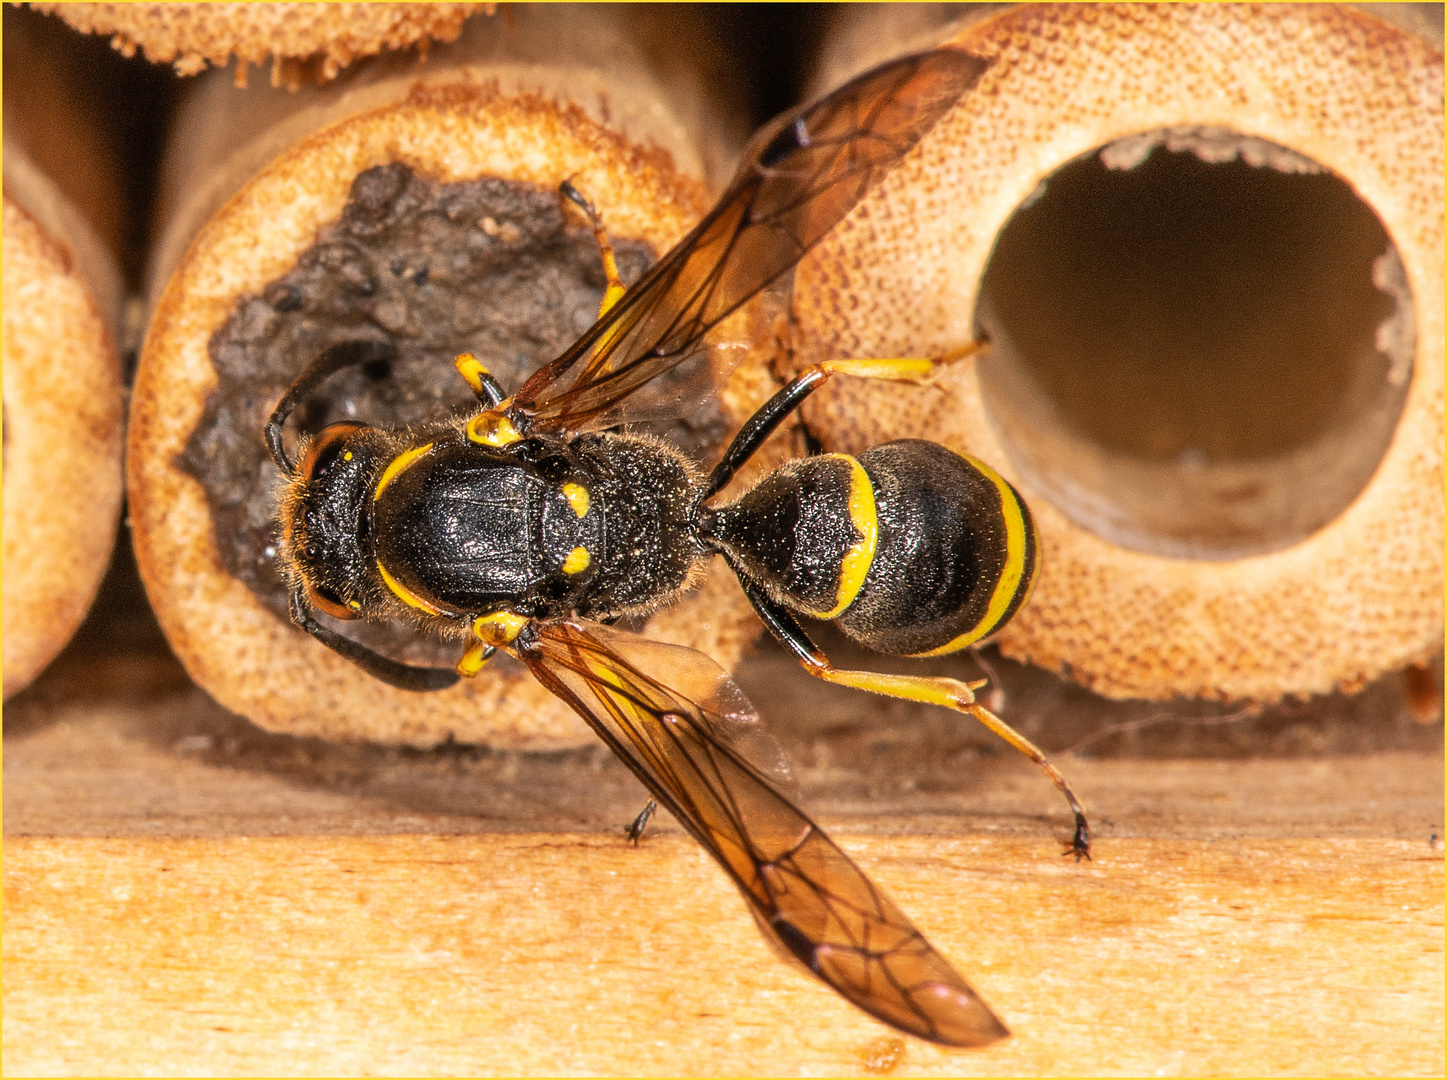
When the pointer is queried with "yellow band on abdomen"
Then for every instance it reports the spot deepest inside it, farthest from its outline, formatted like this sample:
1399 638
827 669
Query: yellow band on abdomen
399 463
1017 542
854 567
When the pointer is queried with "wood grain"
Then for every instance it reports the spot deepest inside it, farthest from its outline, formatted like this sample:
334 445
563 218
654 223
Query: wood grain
187 894
573 954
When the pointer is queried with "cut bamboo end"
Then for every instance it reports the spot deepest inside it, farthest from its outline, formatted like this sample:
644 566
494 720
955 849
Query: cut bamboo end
63 223
1237 498
62 397
525 132
324 37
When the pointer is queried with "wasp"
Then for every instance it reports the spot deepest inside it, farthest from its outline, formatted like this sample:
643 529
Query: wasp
535 523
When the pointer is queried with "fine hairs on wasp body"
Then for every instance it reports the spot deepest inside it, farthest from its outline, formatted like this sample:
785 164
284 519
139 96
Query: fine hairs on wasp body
535 523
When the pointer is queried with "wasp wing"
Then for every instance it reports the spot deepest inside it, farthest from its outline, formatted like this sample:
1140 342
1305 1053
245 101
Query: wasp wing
811 901
800 175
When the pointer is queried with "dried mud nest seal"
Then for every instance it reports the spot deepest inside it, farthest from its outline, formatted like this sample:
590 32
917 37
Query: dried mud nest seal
1328 593
300 40
434 223
62 455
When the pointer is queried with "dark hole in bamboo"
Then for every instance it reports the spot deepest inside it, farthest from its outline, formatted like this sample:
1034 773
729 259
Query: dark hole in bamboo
1199 349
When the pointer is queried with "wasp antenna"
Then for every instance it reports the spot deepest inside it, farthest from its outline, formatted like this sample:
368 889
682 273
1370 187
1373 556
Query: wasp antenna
331 360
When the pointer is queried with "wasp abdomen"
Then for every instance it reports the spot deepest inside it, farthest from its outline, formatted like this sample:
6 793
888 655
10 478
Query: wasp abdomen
955 557
805 533
910 548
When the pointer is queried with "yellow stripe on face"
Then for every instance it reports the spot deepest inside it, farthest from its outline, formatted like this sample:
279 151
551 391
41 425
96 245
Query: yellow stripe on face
854 567
1017 541
404 594
399 463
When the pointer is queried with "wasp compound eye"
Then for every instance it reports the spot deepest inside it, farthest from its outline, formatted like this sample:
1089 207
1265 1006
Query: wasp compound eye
328 600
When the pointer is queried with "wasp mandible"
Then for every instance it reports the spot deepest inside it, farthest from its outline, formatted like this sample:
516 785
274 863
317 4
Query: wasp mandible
535 522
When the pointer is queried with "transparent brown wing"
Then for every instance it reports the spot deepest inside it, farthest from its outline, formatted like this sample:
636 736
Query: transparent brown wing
800 175
810 900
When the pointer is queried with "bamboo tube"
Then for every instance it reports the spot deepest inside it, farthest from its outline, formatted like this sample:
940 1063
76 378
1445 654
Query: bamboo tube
62 383
294 37
1238 498
253 179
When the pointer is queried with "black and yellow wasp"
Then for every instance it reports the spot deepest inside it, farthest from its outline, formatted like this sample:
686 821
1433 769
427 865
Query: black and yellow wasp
534 523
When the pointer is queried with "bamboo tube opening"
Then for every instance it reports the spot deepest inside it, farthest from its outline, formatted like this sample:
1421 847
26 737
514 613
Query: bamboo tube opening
418 207
1199 349
1232 445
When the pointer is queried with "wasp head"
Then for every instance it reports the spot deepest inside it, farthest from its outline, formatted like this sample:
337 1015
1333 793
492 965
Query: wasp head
324 521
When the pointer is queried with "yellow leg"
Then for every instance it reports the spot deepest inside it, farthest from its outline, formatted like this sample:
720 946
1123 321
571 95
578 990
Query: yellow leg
918 369
615 289
489 633
959 696
477 654
472 370
752 435
480 380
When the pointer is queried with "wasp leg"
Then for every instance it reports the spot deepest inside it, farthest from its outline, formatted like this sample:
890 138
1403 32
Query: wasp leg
391 672
997 689
635 831
931 690
487 389
772 413
478 653
491 632
605 246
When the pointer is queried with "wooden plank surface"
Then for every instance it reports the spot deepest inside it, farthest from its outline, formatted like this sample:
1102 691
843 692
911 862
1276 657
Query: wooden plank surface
577 954
188 894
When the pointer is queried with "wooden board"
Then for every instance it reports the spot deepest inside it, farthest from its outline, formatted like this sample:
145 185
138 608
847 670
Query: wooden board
186 894
576 954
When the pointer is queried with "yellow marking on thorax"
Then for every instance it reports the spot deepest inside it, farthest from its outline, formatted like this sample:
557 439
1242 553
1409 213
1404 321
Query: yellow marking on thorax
854 567
406 595
498 628
400 463
1016 543
492 428
578 498
577 561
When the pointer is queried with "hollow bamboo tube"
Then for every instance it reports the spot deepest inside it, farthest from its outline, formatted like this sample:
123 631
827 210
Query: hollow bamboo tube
1339 577
252 178
62 383
293 37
